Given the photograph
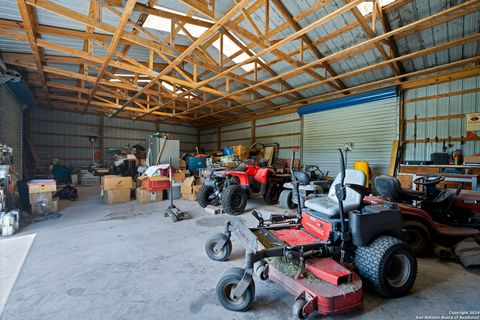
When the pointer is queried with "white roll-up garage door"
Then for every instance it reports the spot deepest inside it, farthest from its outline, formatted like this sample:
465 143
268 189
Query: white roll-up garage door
11 124
371 126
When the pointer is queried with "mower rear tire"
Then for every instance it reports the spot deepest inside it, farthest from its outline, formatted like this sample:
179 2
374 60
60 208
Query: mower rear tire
387 265
234 199
286 199
225 287
417 236
224 253
273 192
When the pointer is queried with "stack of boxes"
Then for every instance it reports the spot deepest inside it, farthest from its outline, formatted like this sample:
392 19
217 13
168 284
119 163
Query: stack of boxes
150 189
116 189
241 151
190 188
40 194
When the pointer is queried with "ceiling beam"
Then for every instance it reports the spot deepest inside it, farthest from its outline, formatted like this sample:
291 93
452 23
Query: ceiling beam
305 38
29 21
112 47
208 33
406 57
370 35
359 46
468 68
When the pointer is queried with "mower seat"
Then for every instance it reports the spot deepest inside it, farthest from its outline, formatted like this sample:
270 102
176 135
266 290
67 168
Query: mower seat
329 205
302 177
389 188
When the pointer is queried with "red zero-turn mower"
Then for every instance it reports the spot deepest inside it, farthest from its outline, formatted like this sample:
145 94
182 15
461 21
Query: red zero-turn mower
320 255
232 188
434 217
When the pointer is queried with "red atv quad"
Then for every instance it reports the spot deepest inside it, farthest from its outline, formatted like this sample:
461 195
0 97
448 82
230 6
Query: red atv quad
232 188
434 218
320 255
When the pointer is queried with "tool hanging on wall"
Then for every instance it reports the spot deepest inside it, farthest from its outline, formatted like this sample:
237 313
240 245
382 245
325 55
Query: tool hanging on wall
436 144
415 137
427 140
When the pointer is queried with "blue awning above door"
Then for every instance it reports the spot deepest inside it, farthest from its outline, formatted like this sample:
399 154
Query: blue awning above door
348 101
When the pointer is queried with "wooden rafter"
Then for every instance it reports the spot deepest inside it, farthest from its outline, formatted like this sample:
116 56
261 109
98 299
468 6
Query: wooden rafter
29 21
112 47
94 12
192 47
360 46
207 90
396 68
305 38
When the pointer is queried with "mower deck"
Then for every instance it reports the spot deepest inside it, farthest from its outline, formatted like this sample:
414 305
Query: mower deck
326 285
326 298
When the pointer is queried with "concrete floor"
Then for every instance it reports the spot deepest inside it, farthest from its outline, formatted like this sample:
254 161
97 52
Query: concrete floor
127 261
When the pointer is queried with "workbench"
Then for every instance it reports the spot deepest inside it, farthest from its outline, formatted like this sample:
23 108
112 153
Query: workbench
467 175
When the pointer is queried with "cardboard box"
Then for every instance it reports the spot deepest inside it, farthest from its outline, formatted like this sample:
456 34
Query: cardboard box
116 183
182 165
45 208
471 159
190 188
116 196
230 164
241 151
179 176
187 185
190 196
40 197
147 196
37 186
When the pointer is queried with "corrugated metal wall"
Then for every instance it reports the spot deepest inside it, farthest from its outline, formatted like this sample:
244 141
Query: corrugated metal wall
450 101
63 135
284 129
11 124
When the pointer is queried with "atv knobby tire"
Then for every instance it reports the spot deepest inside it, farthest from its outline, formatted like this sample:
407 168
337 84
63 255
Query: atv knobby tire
203 194
387 265
234 199
286 199
273 192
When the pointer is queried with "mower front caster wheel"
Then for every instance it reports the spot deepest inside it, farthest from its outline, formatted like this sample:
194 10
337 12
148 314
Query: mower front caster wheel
298 309
226 287
218 254
261 270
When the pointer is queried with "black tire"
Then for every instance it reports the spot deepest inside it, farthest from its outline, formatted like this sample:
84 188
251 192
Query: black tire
203 194
273 192
314 316
261 270
224 253
387 265
286 199
298 309
234 200
226 284
416 236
